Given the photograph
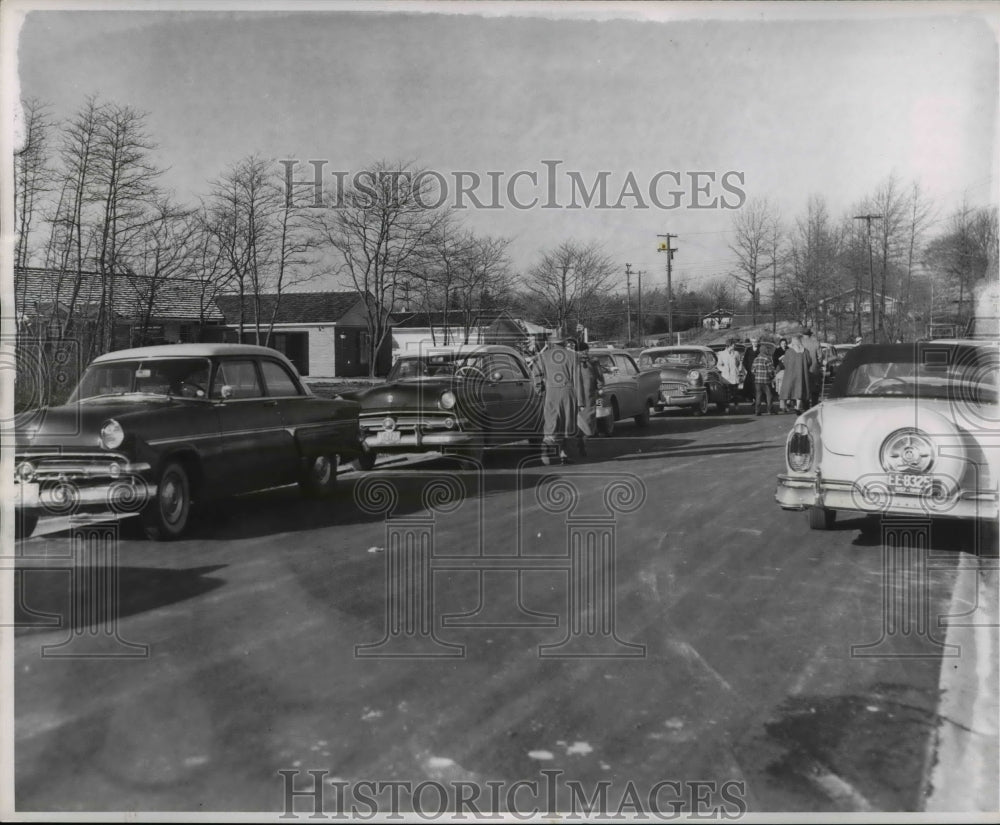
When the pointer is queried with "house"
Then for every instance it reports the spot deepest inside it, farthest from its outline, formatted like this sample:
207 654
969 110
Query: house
414 331
325 334
143 310
842 303
718 319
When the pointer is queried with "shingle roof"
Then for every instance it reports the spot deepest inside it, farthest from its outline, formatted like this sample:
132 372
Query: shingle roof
173 298
455 318
294 307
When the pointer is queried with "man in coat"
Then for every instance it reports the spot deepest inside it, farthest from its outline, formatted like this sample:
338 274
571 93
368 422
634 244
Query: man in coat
749 356
816 368
730 365
559 368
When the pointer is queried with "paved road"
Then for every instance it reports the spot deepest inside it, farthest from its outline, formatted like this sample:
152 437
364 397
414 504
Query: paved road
744 619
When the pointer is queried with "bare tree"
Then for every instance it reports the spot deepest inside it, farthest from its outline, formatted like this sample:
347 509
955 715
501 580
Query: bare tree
813 273
378 232
966 254
31 176
753 247
568 282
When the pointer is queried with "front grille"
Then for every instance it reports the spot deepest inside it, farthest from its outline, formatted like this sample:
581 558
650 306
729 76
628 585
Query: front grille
51 466
407 423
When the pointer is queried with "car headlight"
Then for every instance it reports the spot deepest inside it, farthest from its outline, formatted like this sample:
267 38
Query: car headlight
447 400
694 377
907 451
25 471
800 448
112 435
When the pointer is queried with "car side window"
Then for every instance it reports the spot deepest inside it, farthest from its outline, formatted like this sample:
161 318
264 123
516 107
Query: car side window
626 365
277 379
241 376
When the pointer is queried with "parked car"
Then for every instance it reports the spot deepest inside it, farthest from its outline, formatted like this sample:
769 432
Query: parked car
628 391
460 401
158 429
688 378
907 429
831 355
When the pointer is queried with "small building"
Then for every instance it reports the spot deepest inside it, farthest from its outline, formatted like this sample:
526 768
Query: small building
325 334
414 331
718 319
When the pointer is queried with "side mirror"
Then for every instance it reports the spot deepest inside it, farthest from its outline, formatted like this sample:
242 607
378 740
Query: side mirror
227 391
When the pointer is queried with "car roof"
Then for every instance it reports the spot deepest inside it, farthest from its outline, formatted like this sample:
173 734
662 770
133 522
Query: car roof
189 351
679 348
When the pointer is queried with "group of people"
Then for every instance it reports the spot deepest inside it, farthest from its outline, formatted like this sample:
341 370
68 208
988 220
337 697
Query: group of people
572 382
794 371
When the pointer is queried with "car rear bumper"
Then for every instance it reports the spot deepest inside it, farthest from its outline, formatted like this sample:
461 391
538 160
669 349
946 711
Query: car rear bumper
802 492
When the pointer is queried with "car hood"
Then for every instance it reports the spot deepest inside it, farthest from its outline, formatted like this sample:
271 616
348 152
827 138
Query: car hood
408 394
76 425
676 373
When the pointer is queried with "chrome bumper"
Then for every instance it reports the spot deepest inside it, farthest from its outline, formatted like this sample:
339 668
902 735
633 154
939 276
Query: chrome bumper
801 492
418 441
685 398
121 496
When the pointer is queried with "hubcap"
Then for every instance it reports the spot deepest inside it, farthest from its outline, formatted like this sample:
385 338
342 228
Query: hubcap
171 498
322 469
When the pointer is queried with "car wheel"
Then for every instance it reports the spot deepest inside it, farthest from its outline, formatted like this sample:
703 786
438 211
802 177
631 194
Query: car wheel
366 461
642 419
320 477
166 517
820 518
24 524
702 407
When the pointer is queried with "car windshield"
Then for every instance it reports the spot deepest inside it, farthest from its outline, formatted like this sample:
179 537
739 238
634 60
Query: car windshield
416 368
677 358
176 377
967 374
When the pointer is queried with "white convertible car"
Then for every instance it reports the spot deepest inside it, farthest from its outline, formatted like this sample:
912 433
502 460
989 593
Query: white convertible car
906 429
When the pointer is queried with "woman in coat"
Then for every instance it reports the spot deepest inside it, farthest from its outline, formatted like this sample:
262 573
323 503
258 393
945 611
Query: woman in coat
795 382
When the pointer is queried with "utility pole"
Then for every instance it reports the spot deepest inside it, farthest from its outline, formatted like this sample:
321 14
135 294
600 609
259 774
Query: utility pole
638 320
871 269
628 304
665 247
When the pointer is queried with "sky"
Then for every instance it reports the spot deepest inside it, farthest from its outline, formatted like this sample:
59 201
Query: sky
791 100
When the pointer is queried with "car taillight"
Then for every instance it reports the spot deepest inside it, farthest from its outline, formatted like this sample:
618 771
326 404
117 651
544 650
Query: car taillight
907 451
800 448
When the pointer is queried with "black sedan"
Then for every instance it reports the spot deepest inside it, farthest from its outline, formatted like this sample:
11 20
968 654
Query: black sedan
155 429
456 401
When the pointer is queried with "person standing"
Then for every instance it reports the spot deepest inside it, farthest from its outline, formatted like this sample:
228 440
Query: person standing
779 369
559 368
795 383
762 370
730 366
811 346
590 382
749 356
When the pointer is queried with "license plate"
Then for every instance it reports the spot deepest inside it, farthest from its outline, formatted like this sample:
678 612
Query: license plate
388 436
908 483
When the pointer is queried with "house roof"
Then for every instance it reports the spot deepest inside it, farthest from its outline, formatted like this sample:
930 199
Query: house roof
293 308
453 318
37 289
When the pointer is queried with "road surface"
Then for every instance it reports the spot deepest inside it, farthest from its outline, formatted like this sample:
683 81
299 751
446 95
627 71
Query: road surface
760 666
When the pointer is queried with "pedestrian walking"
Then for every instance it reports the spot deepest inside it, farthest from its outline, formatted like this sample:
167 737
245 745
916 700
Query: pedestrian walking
730 367
559 369
762 370
795 384
779 369
591 381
